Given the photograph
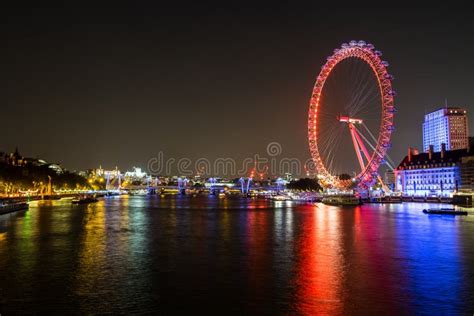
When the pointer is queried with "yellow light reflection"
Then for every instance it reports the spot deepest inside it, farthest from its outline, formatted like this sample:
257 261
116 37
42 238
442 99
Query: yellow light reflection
91 256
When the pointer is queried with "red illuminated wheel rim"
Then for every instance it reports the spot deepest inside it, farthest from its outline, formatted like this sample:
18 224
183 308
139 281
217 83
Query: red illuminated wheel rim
367 175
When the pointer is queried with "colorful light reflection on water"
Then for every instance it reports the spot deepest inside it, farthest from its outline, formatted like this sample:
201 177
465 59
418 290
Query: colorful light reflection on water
177 254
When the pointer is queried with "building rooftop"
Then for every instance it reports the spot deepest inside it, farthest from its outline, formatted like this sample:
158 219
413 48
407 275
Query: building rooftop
450 156
446 110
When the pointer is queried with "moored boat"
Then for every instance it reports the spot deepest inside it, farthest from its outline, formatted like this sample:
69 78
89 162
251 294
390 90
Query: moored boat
51 197
139 192
419 199
12 207
281 197
432 199
341 200
446 199
84 200
386 200
444 211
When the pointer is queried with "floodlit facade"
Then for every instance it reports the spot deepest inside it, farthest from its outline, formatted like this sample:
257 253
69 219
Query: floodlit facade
448 126
434 173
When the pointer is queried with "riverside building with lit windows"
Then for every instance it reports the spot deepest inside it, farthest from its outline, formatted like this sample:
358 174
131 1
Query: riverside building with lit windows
440 174
447 125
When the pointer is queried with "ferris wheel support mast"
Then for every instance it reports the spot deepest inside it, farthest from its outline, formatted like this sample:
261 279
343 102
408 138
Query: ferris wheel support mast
356 139
356 146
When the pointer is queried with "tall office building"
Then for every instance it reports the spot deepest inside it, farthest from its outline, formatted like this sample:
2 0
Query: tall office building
448 126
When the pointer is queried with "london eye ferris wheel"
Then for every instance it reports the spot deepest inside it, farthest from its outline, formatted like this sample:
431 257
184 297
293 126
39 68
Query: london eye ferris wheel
350 119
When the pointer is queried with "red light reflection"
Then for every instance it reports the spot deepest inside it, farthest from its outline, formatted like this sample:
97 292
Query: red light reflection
318 273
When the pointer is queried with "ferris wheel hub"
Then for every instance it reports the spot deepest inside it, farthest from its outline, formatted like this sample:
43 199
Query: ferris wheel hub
347 119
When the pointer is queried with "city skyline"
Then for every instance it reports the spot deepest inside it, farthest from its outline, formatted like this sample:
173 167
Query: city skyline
116 89
232 158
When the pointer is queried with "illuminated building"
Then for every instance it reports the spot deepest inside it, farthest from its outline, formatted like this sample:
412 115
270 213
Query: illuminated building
106 173
57 168
467 174
16 159
219 182
136 174
448 126
434 173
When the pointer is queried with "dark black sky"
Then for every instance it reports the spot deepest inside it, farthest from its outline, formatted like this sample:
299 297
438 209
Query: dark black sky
114 86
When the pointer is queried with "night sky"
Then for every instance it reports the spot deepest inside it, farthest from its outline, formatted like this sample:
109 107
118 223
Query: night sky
114 86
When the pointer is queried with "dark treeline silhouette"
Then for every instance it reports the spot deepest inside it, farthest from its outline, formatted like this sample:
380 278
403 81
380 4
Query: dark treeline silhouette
31 177
304 184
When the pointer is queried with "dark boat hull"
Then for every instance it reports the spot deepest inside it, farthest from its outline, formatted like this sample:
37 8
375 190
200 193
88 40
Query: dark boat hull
385 201
444 212
85 201
13 208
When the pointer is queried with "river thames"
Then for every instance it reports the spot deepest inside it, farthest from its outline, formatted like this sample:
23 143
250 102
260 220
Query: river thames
234 256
